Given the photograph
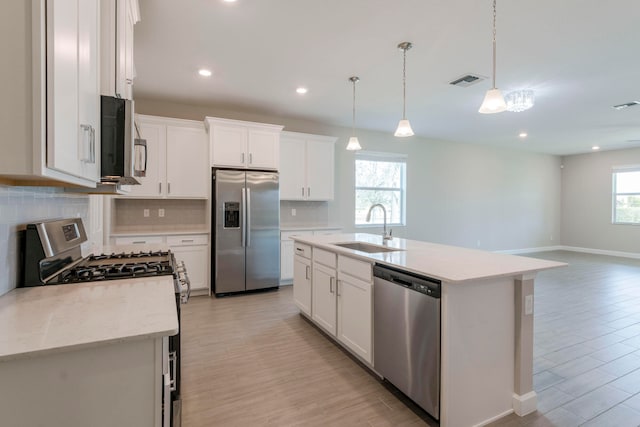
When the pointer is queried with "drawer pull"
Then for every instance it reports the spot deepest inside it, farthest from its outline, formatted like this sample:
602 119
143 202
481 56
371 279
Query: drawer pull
187 241
299 249
139 242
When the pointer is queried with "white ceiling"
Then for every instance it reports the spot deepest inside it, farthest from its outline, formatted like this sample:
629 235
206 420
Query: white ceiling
580 56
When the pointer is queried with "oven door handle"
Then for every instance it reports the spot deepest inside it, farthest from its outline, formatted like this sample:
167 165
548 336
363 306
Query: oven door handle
173 360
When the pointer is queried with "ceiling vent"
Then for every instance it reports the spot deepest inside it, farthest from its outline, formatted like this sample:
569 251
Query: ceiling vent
467 80
627 105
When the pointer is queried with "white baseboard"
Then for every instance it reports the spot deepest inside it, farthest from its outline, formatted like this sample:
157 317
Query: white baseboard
496 418
525 404
633 255
531 250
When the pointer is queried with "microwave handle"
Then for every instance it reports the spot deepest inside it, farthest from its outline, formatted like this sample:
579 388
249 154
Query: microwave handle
143 171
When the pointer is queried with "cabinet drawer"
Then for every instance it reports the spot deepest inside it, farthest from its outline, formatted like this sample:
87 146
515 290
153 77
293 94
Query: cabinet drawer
188 240
302 250
286 235
355 268
324 257
138 240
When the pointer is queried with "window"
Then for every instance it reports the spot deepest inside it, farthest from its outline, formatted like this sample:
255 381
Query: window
380 178
626 196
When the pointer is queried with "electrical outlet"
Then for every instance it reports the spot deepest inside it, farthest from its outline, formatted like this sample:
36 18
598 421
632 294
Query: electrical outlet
293 212
551 237
478 243
528 304
161 213
146 213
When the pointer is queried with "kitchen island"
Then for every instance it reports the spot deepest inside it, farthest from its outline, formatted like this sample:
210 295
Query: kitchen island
86 354
486 309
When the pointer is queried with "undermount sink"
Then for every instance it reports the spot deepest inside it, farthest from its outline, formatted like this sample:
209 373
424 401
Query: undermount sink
366 247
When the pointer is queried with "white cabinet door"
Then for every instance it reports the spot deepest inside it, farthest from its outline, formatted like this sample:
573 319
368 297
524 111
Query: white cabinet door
292 169
152 185
89 87
73 122
263 149
196 261
129 70
302 284
323 299
286 260
229 146
354 315
187 162
320 170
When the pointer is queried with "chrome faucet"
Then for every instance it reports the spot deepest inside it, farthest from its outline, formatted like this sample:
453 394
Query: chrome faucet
385 236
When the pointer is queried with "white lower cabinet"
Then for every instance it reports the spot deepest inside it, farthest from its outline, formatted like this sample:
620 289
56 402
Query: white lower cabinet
323 300
302 283
286 250
338 297
193 251
355 315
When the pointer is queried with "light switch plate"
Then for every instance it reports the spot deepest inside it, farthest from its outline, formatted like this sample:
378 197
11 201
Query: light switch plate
528 304
146 213
161 213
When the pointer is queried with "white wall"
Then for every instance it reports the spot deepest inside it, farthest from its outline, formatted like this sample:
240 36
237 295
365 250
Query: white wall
457 193
588 202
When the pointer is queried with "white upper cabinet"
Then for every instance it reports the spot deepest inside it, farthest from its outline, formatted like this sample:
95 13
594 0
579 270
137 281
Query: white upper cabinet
52 131
243 145
118 18
177 159
306 166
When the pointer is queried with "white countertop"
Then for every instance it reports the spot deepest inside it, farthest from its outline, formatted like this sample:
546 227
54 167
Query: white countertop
309 227
45 319
447 263
157 233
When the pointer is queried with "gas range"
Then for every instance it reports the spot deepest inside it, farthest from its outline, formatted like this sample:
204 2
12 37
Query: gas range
51 255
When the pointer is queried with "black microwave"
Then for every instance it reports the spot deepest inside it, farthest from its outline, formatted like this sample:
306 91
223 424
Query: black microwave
123 157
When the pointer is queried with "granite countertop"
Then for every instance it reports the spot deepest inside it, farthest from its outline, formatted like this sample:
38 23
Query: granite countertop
46 319
448 263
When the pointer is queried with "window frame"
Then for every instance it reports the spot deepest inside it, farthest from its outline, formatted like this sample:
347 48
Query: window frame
383 157
615 194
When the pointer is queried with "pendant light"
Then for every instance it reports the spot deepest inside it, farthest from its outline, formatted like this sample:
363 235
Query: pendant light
404 127
493 100
354 144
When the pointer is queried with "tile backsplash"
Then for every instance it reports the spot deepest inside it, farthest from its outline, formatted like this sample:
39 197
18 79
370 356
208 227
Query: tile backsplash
306 213
22 205
179 215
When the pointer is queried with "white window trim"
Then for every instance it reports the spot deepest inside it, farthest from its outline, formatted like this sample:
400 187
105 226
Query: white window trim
614 193
390 157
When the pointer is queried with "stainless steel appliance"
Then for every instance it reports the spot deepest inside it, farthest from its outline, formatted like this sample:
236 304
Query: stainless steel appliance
122 157
406 317
246 223
51 255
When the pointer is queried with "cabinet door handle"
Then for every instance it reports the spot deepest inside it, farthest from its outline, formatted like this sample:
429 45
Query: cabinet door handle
242 158
168 188
306 273
331 285
92 147
85 144
308 191
302 191
159 188
250 158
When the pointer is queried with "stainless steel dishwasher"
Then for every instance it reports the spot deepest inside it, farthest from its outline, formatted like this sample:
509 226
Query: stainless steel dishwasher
406 324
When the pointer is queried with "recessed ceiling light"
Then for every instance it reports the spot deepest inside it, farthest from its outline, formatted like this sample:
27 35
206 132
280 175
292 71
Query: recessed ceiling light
204 72
595 147
302 90
522 134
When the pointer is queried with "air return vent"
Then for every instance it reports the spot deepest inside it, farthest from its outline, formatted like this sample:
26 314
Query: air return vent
626 105
467 80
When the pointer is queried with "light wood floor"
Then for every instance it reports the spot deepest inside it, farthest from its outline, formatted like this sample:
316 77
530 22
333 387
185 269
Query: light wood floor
252 360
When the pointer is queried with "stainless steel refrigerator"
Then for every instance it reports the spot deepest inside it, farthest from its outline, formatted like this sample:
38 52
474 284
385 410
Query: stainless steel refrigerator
246 227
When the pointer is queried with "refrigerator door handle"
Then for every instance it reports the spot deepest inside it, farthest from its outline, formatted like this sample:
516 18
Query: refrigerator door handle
248 224
244 217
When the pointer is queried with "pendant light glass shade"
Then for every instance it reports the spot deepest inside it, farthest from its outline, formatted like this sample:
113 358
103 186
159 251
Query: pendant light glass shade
354 144
520 100
493 100
404 127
